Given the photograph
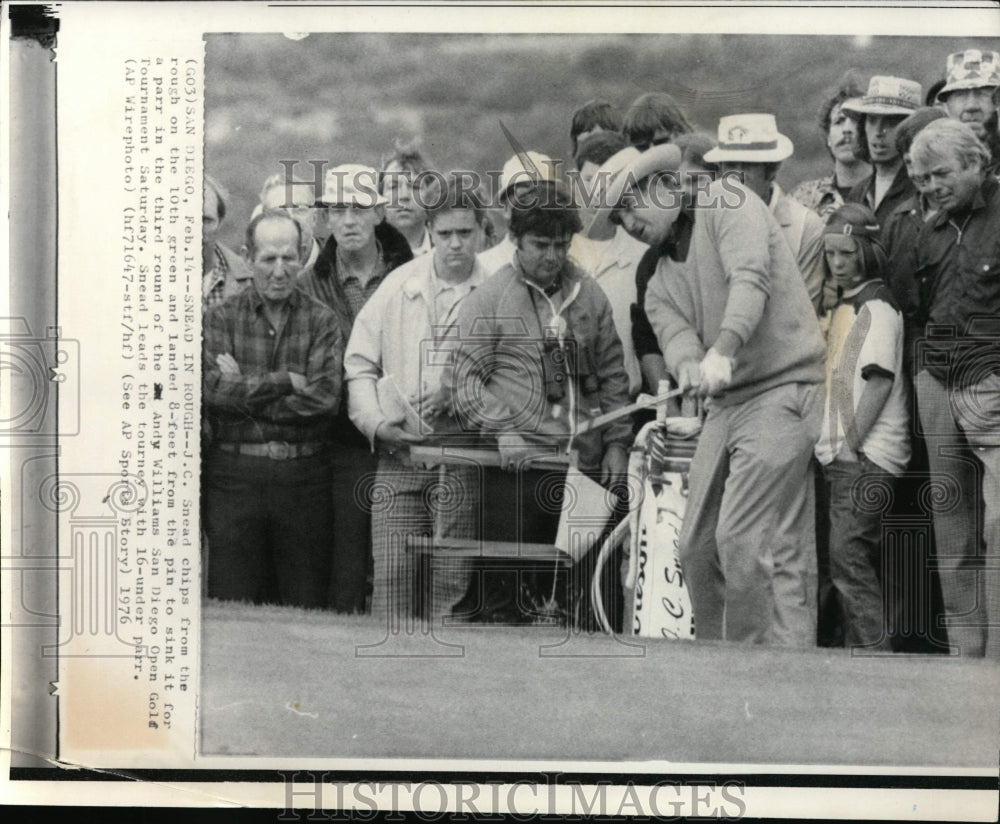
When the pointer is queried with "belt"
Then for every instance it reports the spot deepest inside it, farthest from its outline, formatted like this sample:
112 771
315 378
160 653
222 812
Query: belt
275 450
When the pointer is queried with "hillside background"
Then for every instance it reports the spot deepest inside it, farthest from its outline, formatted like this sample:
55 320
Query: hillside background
348 97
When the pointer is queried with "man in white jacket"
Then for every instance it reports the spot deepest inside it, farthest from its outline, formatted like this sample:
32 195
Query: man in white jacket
394 355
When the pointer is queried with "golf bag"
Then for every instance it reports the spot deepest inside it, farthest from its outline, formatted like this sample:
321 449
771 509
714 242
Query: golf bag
660 604
657 603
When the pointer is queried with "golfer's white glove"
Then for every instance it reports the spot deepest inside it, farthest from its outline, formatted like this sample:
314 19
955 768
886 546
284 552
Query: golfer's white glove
716 373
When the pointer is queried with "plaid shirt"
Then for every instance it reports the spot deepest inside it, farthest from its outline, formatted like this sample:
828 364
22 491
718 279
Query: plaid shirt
259 404
217 277
358 292
822 195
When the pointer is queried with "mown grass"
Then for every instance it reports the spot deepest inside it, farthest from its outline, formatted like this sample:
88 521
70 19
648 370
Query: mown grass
287 682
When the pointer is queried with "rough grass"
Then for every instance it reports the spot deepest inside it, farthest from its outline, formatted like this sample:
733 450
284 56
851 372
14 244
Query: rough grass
285 682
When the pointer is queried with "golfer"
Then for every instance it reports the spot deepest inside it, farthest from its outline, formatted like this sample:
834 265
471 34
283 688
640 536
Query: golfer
735 323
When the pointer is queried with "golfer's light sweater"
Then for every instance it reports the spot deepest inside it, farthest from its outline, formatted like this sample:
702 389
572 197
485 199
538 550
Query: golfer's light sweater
739 275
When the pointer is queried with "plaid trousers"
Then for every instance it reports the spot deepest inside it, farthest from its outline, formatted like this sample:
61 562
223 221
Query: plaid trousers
409 503
962 430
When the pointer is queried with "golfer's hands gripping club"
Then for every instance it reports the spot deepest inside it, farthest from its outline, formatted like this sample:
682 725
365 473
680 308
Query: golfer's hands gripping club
711 377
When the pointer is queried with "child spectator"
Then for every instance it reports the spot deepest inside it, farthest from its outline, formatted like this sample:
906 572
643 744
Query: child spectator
864 443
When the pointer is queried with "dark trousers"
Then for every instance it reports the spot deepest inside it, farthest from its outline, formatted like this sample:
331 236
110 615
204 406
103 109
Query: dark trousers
354 469
269 526
517 506
857 492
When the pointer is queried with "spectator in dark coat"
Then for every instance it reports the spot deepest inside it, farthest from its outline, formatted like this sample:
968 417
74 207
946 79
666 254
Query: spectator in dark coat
361 250
885 104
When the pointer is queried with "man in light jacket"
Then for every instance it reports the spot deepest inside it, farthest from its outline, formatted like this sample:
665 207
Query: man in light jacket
393 367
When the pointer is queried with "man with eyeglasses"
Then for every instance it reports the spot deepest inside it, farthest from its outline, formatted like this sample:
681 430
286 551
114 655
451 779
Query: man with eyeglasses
360 251
736 326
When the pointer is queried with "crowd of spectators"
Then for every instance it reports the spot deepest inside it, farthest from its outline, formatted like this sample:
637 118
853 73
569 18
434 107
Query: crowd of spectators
840 338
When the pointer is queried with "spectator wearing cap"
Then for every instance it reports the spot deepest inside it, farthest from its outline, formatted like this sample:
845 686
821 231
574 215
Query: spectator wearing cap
521 175
360 251
224 273
887 101
864 443
414 310
970 92
654 118
612 257
751 146
271 372
839 127
735 324
407 179
592 117
958 375
297 199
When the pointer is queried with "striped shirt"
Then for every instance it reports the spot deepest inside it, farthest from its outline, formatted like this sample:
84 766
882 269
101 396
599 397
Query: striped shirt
259 404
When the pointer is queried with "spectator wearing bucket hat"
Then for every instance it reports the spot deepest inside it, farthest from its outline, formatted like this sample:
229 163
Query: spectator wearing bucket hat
751 146
361 250
735 324
886 103
524 172
970 94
